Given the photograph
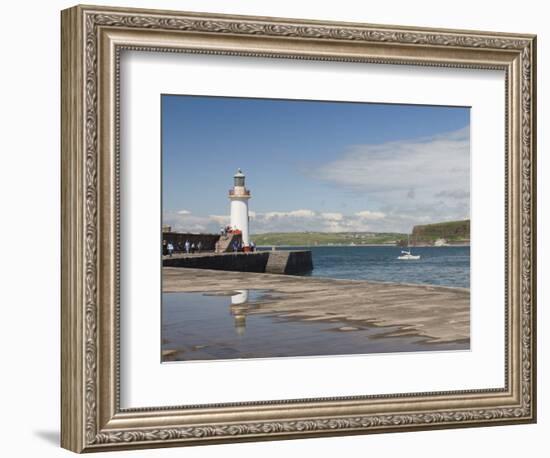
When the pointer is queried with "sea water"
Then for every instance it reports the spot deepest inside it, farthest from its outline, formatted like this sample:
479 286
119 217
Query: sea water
443 266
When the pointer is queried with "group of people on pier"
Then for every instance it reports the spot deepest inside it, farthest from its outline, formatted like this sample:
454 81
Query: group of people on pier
228 230
230 240
168 248
237 246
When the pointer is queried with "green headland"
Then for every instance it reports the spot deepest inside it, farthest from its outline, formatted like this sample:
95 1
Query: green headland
451 232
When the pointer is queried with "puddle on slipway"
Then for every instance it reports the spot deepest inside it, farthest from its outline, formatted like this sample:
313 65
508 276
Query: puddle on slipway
214 326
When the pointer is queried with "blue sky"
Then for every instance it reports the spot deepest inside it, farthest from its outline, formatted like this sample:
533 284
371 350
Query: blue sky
330 166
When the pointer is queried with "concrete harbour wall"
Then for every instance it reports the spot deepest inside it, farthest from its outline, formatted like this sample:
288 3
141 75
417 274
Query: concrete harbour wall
289 262
278 262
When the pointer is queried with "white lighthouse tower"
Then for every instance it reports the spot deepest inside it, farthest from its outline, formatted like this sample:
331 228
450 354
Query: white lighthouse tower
239 196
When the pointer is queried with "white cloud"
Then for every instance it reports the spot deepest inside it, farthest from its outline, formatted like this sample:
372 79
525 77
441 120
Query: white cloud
332 216
409 181
279 221
186 222
291 214
457 194
432 163
221 220
305 220
367 214
184 212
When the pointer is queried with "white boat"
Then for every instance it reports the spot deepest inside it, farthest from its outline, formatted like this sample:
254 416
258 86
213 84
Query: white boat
407 255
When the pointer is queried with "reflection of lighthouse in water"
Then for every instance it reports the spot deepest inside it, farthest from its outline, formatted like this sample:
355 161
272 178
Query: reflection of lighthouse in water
239 196
239 308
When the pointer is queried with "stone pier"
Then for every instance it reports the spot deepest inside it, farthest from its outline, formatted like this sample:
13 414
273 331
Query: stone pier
275 262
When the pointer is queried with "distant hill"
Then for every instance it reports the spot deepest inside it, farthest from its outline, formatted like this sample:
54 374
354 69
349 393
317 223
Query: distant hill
451 231
326 238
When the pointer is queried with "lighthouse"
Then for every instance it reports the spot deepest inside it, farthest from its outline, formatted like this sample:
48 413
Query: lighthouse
238 197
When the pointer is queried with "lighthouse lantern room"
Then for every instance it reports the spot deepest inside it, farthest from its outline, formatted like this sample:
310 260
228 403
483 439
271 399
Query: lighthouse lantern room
239 196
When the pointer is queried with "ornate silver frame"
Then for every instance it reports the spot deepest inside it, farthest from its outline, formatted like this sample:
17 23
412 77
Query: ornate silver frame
92 38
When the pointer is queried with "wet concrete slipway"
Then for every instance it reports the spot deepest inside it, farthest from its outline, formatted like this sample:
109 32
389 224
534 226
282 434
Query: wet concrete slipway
210 315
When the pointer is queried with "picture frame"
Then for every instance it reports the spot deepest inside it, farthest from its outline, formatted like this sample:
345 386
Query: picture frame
93 39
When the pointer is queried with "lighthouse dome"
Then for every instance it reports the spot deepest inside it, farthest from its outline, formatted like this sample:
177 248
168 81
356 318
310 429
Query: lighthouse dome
238 178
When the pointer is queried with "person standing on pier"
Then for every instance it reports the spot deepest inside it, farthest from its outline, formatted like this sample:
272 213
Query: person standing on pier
170 248
187 246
